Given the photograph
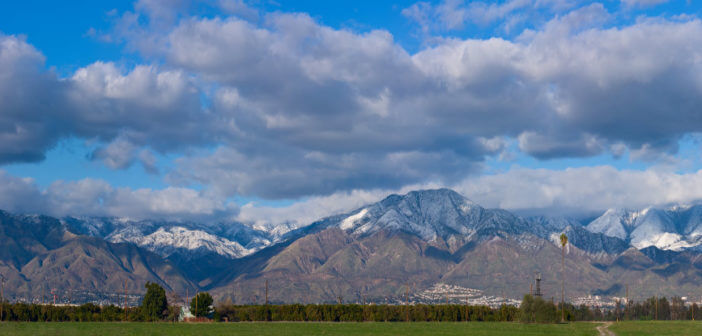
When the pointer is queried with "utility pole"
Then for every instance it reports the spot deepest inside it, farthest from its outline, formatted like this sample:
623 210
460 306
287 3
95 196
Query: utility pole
467 308
2 296
407 303
656 307
627 301
692 307
564 242
125 300
266 291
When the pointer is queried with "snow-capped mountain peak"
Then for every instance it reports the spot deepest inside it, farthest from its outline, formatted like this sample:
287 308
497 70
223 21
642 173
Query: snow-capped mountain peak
432 215
166 241
672 228
232 240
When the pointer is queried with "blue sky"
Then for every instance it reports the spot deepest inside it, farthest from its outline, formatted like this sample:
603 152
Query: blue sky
268 112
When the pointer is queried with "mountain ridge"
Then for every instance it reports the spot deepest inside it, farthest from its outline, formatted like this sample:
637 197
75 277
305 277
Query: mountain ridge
426 237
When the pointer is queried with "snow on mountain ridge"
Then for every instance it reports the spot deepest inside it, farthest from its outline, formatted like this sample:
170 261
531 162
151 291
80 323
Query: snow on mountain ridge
432 215
350 221
672 228
166 241
231 240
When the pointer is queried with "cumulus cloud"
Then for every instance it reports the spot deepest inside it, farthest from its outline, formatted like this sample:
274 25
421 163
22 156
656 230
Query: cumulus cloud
584 190
94 197
20 194
125 110
309 210
145 106
29 98
229 172
286 107
305 109
570 192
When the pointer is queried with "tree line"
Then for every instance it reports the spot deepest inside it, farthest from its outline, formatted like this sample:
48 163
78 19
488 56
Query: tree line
363 313
155 307
535 309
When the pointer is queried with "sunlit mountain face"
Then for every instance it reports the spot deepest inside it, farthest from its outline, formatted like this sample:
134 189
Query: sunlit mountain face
428 238
348 149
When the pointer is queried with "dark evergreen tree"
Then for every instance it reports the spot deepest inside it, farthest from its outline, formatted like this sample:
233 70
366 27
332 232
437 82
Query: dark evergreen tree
201 305
155 305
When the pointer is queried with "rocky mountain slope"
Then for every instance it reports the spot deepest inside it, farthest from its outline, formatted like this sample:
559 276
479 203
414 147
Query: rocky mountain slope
437 236
39 253
373 253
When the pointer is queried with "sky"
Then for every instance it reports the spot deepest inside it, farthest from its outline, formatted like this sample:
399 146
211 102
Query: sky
272 112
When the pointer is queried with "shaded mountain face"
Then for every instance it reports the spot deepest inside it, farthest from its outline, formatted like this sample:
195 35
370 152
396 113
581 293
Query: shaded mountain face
437 236
418 240
39 254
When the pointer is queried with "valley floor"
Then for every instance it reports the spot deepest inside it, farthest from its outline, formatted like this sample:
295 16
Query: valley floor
303 328
662 328
658 328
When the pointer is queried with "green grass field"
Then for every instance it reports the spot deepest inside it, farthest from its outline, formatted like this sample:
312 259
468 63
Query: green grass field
280 328
662 328
659 328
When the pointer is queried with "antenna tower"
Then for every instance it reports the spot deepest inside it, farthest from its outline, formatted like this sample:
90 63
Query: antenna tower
538 285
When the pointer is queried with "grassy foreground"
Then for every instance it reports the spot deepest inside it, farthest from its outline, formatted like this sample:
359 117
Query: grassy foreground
286 328
661 328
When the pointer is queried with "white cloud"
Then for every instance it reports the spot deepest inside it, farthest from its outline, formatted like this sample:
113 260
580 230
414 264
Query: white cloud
569 192
309 210
119 154
584 190
124 109
286 107
20 194
451 15
229 172
27 127
93 197
643 3
302 101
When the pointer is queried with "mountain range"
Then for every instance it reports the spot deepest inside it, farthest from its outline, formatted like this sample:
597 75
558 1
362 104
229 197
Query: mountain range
375 253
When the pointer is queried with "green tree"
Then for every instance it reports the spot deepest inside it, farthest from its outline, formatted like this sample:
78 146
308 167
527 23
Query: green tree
201 305
535 309
155 303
